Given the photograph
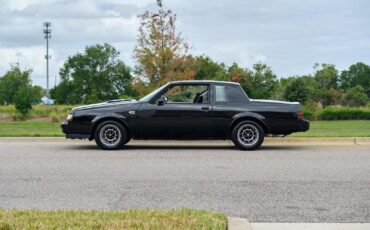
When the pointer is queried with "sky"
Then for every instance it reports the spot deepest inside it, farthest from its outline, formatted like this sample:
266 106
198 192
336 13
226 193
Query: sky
290 36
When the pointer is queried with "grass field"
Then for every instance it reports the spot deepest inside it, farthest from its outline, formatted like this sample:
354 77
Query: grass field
132 219
318 129
30 129
353 128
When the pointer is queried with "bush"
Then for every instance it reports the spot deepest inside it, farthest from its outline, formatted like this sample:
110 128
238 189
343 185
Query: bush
5 226
54 117
355 96
344 113
48 110
23 101
38 111
20 117
127 97
10 109
311 110
309 114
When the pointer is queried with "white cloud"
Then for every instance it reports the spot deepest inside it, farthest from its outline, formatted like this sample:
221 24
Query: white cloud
289 35
75 24
22 4
139 3
29 58
260 58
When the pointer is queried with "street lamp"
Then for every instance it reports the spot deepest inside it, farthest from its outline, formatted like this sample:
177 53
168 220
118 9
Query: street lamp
47 36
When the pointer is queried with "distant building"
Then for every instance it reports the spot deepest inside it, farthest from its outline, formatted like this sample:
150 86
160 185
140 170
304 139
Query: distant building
47 101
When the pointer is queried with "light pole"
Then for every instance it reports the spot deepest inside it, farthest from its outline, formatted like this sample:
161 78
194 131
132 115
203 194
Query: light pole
47 33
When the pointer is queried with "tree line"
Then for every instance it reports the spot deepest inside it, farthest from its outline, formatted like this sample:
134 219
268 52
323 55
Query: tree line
162 55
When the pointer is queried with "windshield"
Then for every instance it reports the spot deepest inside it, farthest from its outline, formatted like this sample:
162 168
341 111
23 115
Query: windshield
148 97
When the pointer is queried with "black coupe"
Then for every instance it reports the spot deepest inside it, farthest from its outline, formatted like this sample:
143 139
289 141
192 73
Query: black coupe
186 110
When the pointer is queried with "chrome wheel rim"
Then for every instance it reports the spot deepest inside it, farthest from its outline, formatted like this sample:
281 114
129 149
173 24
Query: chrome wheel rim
110 135
248 135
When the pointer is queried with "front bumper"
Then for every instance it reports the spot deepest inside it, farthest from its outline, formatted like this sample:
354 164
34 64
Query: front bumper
64 127
70 131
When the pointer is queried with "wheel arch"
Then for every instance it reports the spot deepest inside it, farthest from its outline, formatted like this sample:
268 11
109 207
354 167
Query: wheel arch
259 119
110 117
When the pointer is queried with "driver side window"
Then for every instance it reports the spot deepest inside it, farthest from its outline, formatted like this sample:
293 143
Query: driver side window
187 94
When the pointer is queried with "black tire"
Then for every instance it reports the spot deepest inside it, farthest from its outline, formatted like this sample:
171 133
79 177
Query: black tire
110 135
247 135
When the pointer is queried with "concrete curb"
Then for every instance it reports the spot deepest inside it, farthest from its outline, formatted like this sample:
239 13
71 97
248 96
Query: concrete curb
243 224
320 140
310 226
238 224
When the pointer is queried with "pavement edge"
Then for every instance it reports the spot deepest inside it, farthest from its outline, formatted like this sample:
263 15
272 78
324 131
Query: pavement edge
234 223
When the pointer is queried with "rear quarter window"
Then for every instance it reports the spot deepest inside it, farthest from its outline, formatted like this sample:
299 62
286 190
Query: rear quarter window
235 94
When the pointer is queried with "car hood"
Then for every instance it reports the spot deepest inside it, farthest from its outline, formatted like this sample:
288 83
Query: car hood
105 104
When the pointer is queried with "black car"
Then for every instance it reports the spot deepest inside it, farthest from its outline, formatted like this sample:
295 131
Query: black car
186 110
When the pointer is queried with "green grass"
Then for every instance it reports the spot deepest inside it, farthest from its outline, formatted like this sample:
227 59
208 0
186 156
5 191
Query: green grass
356 128
30 129
132 219
353 128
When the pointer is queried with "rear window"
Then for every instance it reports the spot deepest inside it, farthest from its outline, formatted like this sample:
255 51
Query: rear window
220 93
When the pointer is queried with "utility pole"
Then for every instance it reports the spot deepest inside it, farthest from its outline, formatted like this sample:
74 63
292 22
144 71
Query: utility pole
47 32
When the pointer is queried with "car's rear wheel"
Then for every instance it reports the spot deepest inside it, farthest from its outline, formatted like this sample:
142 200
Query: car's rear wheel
111 135
247 135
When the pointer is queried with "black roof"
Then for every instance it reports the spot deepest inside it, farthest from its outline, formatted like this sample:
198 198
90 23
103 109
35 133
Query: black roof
203 81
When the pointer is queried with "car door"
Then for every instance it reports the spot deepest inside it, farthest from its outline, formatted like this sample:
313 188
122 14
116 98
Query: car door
187 114
228 101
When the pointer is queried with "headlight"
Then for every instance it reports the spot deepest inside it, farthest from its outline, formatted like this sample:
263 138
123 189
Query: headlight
69 117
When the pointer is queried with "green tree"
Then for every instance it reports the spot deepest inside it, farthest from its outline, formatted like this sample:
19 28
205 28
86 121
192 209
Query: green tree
357 74
37 93
284 82
281 85
63 93
93 76
161 53
313 88
11 82
355 96
16 79
207 69
327 77
241 75
263 81
314 94
296 90
332 96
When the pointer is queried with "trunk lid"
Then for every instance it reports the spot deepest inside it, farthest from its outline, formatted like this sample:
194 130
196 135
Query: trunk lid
277 105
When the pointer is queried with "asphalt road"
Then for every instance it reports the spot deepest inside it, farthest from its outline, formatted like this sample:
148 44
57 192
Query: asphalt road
278 183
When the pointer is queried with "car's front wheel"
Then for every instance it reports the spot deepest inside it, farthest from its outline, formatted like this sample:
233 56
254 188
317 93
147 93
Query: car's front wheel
110 135
247 135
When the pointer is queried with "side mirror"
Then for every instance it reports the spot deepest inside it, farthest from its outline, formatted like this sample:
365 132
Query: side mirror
162 100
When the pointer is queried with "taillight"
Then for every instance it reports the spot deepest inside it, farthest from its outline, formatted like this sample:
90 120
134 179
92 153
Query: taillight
300 115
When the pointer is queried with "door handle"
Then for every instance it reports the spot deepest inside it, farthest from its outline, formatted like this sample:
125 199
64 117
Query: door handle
206 108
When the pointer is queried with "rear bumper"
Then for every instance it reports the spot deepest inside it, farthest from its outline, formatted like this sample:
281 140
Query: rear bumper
304 125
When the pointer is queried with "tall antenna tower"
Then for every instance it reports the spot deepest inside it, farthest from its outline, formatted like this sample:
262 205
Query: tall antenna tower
47 33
